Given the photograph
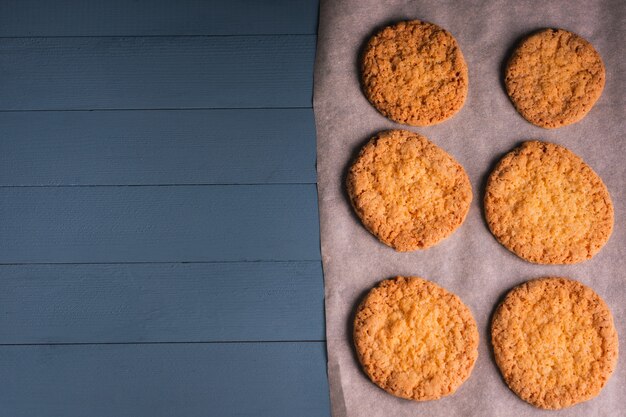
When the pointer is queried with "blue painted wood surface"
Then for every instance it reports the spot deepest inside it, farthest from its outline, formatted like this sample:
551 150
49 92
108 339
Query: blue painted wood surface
156 72
88 186
156 17
268 301
158 224
157 147
191 380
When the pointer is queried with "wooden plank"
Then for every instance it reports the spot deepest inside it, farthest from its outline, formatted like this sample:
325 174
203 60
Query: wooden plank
251 379
158 224
156 17
157 147
161 302
156 72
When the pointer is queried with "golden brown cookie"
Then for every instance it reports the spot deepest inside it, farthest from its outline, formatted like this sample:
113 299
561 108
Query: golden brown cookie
554 342
407 191
414 339
554 78
547 206
414 73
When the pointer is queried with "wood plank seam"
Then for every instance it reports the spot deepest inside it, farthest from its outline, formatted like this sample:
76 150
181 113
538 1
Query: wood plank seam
216 184
183 342
113 109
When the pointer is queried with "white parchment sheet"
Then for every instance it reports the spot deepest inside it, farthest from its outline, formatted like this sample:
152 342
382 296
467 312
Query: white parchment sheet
469 263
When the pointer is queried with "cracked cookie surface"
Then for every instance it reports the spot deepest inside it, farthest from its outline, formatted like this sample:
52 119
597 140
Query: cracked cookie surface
555 342
546 205
414 73
554 77
414 339
407 191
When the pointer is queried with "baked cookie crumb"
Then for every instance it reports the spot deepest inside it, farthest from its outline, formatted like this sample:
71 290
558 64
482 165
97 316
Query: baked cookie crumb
546 205
554 77
555 342
414 73
414 339
407 191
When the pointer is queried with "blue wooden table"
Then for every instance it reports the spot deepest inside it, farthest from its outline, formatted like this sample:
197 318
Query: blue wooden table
159 251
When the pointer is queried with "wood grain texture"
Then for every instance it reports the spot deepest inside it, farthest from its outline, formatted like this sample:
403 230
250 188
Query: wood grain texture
161 302
158 224
156 72
58 320
157 147
252 379
156 17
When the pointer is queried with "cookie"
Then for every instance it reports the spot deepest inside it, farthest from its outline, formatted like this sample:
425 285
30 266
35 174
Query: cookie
543 203
407 191
554 77
414 73
554 342
414 339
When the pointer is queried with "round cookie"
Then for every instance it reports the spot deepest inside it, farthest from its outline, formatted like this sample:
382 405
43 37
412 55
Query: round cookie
414 339
554 77
407 191
543 203
414 73
554 342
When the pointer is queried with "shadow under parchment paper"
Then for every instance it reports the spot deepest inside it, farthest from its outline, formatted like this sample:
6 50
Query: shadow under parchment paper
470 263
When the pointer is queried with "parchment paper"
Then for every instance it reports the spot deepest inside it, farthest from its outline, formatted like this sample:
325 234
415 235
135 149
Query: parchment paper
469 263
